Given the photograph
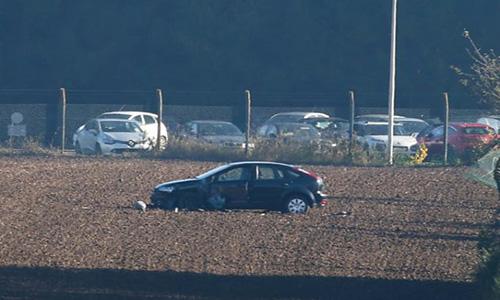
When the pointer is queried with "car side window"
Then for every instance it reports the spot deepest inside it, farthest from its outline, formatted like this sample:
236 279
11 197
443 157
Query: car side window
235 174
437 132
269 173
138 119
149 120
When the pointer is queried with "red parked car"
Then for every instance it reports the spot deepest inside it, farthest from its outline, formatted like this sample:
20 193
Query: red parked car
464 140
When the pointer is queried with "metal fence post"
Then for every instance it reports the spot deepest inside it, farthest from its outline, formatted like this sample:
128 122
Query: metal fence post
248 116
159 110
446 122
62 109
351 124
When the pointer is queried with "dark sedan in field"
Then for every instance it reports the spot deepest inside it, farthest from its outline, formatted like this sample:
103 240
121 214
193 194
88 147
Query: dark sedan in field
245 185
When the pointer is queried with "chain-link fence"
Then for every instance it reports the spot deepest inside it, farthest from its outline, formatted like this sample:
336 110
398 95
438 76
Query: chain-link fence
200 115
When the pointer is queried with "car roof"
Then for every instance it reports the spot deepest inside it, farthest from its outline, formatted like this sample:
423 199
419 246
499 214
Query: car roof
210 122
327 119
114 120
403 119
466 124
130 113
306 115
496 117
270 163
380 116
368 123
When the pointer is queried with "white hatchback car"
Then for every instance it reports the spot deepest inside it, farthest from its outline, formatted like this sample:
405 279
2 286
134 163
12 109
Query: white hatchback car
147 121
374 136
108 136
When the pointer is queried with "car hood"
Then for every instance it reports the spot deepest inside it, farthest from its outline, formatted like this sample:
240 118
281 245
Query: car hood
183 183
398 140
126 136
224 138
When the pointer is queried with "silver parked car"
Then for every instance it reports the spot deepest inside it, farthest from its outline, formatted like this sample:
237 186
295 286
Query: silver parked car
221 133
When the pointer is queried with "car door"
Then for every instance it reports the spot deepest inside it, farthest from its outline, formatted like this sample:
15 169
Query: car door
87 138
232 185
150 126
267 187
140 122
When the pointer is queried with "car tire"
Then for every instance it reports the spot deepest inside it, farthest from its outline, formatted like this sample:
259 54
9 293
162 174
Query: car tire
163 142
98 150
296 204
78 148
217 202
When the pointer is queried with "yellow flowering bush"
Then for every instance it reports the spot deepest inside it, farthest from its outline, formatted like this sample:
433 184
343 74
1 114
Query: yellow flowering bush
420 155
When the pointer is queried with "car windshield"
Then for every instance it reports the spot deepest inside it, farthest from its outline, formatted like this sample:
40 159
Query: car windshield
330 125
306 131
410 127
382 130
219 129
119 126
114 116
476 130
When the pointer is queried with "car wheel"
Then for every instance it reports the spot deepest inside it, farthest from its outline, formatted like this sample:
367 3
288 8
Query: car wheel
296 204
163 142
78 148
217 201
98 150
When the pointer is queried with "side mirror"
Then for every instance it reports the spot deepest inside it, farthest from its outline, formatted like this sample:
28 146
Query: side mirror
93 132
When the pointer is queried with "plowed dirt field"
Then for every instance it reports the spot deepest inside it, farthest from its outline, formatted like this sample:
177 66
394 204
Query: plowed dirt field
68 230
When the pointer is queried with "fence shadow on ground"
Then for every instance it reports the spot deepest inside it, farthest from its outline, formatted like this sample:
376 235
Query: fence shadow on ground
55 283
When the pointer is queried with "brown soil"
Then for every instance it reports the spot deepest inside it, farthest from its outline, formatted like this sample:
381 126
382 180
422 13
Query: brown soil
66 222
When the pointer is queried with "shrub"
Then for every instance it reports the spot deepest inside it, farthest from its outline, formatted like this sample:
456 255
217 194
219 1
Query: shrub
488 273
183 148
26 146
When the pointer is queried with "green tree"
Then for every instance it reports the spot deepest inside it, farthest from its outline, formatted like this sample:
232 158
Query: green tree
483 76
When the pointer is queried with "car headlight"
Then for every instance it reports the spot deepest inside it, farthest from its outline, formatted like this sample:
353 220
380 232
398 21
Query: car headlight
107 139
166 189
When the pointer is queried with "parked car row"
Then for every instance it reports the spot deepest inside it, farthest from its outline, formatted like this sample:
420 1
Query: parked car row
128 131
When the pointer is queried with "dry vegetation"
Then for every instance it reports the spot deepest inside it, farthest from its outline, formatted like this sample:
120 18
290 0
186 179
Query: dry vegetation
67 230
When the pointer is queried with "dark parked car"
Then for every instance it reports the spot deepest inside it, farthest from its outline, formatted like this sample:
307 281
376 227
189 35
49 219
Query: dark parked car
245 185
